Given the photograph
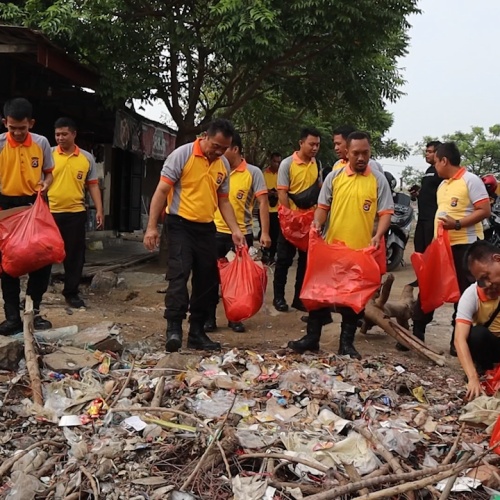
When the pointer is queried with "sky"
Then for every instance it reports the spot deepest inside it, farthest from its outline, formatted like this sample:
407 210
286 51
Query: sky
452 73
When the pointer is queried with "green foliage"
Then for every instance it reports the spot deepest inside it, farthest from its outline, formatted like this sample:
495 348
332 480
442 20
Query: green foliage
480 148
336 60
410 176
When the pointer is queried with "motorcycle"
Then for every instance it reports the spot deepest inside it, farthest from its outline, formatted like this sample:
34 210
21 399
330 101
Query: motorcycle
398 234
491 226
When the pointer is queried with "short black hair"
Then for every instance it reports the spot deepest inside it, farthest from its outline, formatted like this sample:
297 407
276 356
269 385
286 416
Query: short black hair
307 131
344 130
225 127
65 122
236 142
275 154
480 251
18 108
433 144
358 136
450 151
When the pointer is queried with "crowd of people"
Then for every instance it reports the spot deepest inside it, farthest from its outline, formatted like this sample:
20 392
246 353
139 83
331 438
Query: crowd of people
207 191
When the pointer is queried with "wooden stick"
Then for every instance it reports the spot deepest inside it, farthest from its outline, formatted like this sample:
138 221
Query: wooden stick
280 456
454 447
385 291
451 481
193 474
118 396
159 389
30 353
354 477
7 464
91 479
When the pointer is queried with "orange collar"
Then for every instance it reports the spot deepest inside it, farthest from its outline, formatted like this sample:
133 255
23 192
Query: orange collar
299 161
482 295
241 167
14 144
197 151
460 173
76 152
349 171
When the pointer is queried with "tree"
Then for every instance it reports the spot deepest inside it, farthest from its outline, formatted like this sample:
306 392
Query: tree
480 149
213 58
410 176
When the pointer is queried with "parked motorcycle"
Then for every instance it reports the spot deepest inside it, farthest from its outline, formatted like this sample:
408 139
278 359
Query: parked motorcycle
398 234
491 225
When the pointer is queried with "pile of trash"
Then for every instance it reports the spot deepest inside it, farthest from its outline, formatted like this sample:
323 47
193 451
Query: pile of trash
128 424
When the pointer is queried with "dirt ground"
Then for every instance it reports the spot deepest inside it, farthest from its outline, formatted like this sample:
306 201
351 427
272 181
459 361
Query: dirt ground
137 306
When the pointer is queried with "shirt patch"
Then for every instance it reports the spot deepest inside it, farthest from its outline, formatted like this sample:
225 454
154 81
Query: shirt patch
454 202
220 178
35 162
367 205
240 194
79 175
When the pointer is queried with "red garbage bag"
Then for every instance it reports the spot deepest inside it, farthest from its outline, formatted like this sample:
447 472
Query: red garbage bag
295 226
30 240
243 285
338 276
436 275
491 382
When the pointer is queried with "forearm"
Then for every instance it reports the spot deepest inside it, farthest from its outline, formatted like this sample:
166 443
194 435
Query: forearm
158 203
264 213
475 217
464 355
283 198
320 216
383 225
48 178
95 194
227 213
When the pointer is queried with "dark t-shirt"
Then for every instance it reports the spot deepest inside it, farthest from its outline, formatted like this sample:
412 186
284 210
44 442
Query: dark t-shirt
427 200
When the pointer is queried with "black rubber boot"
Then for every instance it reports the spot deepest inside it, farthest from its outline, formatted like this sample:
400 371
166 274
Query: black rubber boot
174 336
198 339
310 341
12 323
346 344
210 324
326 320
280 304
39 322
418 331
236 326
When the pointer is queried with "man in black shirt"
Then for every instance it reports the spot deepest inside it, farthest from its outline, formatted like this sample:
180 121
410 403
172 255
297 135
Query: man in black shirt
427 202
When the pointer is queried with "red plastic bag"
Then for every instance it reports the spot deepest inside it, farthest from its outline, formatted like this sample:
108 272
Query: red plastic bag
491 382
295 226
338 276
436 275
30 240
243 285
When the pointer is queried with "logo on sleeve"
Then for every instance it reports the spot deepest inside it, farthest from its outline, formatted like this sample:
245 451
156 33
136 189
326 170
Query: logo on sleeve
79 175
35 162
454 202
220 178
367 205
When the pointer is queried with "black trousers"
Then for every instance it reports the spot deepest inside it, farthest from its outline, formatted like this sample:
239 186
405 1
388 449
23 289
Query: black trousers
192 252
421 319
72 229
285 254
349 317
274 232
224 243
424 234
484 347
38 281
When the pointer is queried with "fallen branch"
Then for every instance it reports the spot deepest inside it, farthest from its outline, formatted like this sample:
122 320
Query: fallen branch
30 353
281 456
127 380
91 479
159 389
7 464
454 447
451 481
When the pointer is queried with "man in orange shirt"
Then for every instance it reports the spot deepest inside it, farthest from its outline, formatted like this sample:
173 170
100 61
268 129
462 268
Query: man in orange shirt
194 183
25 167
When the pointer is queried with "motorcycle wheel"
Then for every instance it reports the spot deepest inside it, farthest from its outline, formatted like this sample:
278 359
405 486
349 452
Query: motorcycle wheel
394 257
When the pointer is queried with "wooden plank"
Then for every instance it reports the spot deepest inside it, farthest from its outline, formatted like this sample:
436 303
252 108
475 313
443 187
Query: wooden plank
12 48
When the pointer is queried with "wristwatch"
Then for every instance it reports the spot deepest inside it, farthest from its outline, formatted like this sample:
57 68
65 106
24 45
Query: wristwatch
458 226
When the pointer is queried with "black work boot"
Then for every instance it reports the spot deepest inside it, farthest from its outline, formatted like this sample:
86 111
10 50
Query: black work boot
310 341
198 339
298 304
174 335
236 326
280 304
12 323
418 331
346 344
210 324
326 320
39 322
